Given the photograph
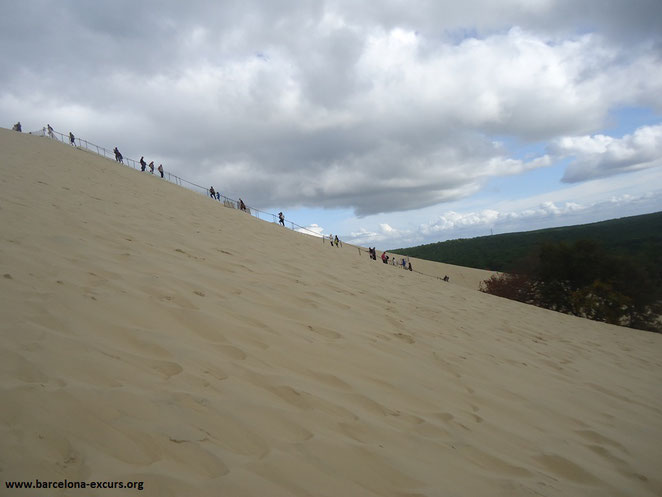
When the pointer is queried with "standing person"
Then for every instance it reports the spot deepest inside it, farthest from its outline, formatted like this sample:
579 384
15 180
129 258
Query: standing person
151 167
212 192
410 267
281 218
161 169
50 130
242 206
118 155
331 239
404 263
218 196
143 164
72 139
17 127
335 240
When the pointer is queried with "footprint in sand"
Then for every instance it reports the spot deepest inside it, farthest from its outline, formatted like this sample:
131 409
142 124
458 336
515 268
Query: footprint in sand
596 438
405 338
494 464
215 373
233 352
325 332
167 368
330 380
446 417
621 466
564 468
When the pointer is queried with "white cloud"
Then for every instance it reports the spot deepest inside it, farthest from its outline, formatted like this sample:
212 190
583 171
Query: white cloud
381 108
600 156
547 213
588 202
312 229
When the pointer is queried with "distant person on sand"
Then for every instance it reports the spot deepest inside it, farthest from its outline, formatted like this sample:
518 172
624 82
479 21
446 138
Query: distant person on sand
151 167
331 239
281 218
212 192
384 258
72 139
446 278
143 164
17 127
118 155
410 267
336 241
161 169
242 206
218 196
404 263
50 130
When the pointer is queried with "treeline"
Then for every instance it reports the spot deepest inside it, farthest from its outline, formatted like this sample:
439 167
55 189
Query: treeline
584 279
639 237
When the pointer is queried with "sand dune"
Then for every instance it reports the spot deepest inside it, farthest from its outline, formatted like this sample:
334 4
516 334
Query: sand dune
150 334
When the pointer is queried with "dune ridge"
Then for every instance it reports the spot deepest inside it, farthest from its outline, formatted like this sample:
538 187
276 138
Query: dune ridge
151 334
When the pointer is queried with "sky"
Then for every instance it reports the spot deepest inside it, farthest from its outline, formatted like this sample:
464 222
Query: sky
391 123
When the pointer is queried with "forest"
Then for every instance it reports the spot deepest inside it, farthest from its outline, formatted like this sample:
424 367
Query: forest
609 271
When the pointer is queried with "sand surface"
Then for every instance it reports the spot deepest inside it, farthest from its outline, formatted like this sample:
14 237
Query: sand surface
150 334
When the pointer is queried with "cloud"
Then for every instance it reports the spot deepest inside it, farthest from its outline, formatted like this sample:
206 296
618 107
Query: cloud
380 108
384 232
599 156
312 229
545 214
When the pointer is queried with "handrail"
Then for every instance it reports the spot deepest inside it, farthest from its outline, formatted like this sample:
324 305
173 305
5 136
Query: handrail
227 201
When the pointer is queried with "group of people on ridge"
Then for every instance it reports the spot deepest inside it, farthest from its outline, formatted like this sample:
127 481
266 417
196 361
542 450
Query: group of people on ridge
241 205
372 252
144 165
335 240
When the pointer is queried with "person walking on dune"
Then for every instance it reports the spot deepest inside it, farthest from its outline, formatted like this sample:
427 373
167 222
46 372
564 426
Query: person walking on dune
118 155
72 139
281 218
143 164
50 130
160 170
151 167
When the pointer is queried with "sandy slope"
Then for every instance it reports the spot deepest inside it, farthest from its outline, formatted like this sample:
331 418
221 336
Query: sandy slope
150 334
